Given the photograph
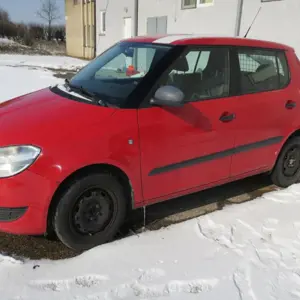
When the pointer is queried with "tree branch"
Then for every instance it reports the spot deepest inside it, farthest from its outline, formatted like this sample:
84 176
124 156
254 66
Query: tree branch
49 11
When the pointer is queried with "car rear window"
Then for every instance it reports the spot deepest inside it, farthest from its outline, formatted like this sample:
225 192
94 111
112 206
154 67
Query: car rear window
262 70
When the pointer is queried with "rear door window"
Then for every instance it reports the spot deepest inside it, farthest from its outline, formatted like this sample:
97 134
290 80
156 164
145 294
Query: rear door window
262 70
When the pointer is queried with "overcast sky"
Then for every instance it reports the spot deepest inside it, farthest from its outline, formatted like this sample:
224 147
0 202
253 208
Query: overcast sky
25 10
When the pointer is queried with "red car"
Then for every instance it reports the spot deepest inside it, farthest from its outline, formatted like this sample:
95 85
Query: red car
196 113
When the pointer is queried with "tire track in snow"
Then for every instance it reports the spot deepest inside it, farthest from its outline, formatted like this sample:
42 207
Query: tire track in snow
261 249
219 234
243 283
85 281
149 275
143 287
290 195
150 291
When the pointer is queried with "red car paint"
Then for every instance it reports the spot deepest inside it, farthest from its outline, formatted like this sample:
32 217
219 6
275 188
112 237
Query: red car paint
73 135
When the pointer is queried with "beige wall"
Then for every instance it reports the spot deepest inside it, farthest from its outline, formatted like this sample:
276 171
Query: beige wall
80 26
89 29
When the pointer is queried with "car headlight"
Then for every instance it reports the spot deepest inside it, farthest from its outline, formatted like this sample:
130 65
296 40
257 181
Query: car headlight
15 159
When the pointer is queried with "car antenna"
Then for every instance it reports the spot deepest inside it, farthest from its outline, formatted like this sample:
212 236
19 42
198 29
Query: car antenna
252 22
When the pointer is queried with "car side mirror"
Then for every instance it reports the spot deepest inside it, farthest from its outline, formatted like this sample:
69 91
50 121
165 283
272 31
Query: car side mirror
168 96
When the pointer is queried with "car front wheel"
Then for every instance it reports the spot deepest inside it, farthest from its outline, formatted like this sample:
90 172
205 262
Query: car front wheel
287 169
90 212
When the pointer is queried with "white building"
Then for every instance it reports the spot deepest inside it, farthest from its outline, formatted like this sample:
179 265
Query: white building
115 20
178 16
278 20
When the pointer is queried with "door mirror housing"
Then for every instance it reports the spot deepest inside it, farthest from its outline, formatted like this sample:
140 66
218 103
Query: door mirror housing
168 96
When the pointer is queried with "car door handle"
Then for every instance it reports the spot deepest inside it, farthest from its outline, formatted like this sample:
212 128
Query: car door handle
290 104
227 117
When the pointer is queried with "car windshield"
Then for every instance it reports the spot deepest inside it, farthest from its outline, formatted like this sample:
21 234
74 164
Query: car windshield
116 73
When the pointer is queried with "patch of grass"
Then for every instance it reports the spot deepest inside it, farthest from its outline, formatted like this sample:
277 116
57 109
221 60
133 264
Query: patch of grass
34 48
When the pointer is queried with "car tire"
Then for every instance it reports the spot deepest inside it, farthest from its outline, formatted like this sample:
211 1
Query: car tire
90 212
287 168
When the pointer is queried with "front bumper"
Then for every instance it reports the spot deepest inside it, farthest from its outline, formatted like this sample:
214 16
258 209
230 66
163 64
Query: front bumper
24 203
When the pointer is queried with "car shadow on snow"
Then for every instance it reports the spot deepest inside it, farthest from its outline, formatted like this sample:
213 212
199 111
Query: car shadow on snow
187 207
157 216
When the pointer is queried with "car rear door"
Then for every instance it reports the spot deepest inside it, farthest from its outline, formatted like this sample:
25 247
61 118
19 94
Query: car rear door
186 147
265 108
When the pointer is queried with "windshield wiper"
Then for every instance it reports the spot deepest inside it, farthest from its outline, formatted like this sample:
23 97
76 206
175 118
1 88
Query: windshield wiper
82 90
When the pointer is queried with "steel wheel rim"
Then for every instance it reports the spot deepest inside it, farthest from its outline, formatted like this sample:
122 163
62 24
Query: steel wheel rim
93 211
291 162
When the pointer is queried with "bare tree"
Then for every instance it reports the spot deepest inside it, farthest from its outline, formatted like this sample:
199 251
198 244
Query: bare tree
7 29
4 16
49 12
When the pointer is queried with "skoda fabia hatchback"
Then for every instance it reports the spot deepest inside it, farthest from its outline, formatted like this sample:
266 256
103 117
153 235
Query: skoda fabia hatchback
150 119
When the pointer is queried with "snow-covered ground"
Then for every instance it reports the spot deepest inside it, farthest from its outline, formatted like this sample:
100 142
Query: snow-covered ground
245 252
249 251
53 62
20 74
17 81
6 41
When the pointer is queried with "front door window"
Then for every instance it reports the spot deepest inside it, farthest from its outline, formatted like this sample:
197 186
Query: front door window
200 74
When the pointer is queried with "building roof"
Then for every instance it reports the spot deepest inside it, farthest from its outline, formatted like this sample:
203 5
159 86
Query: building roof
191 39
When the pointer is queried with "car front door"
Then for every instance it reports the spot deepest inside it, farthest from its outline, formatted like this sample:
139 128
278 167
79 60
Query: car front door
183 148
263 115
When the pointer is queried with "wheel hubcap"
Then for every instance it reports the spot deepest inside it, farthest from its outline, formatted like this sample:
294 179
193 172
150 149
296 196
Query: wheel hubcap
291 162
93 211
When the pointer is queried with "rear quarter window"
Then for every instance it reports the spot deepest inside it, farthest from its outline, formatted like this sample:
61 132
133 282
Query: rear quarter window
262 70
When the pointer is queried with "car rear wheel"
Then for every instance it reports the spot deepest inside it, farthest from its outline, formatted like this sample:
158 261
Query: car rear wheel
287 169
90 212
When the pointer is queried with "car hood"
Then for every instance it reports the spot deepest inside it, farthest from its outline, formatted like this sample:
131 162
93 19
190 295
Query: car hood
44 117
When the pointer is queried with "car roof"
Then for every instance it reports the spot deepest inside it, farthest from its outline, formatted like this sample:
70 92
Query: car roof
192 39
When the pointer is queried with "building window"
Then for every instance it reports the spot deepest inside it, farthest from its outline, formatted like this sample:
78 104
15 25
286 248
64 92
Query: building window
102 22
85 36
205 2
88 34
92 36
75 2
196 3
189 4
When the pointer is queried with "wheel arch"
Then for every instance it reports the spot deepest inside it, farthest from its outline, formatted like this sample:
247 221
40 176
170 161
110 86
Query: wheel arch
277 174
95 168
288 138
293 134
